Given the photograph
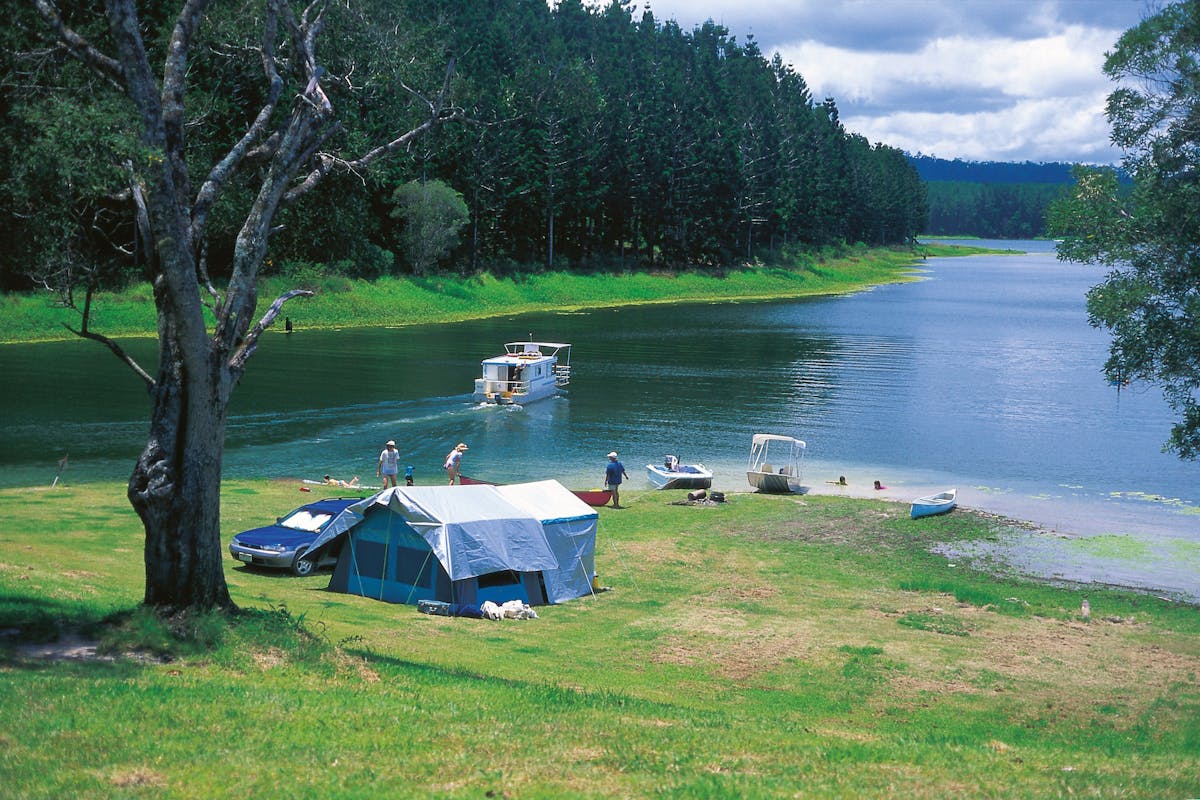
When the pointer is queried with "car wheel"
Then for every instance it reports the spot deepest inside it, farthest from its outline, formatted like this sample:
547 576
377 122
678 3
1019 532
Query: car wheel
302 566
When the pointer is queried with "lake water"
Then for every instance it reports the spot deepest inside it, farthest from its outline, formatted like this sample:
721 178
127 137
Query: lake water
984 375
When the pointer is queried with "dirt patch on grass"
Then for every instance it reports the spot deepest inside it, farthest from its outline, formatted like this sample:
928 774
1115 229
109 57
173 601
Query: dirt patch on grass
269 659
1094 656
364 672
79 574
741 594
990 653
137 776
71 647
738 646
866 529
1068 666
762 653
655 553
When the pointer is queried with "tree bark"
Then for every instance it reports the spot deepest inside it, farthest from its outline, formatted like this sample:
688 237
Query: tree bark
175 488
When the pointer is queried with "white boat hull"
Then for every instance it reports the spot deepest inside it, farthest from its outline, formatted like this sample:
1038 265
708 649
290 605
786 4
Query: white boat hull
774 482
685 476
505 397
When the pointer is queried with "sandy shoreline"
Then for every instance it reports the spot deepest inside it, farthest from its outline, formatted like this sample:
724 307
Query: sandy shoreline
1152 547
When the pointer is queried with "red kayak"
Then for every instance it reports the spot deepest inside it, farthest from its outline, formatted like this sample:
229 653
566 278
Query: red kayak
594 497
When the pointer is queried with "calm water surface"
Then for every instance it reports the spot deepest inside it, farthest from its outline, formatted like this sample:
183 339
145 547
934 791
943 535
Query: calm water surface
985 375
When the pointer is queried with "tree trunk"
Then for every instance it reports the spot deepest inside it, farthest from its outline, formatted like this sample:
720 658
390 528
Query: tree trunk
175 489
176 483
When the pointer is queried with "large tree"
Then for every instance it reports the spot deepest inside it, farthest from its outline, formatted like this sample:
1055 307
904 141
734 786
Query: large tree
1149 237
207 329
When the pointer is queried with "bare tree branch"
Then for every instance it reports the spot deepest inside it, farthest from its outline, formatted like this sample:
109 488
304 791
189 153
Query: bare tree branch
202 269
237 362
104 65
117 350
84 333
439 114
174 116
221 172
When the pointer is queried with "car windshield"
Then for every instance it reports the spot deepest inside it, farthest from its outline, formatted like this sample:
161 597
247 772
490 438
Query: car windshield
305 520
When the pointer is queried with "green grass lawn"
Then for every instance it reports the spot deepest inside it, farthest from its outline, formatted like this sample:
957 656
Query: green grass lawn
769 647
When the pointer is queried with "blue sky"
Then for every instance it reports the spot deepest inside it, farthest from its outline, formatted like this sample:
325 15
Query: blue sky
984 80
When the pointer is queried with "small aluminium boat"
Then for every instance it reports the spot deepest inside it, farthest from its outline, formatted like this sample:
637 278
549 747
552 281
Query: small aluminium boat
775 463
932 504
672 475
527 371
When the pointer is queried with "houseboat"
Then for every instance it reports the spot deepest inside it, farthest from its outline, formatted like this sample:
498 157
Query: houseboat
527 371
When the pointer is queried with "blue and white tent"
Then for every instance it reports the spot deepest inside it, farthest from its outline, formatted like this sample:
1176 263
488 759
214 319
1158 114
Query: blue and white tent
533 542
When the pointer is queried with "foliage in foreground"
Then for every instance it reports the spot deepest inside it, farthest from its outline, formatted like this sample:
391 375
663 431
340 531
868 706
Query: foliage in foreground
1150 300
770 647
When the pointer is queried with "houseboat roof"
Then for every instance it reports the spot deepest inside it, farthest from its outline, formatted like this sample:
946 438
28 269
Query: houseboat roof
524 352
524 347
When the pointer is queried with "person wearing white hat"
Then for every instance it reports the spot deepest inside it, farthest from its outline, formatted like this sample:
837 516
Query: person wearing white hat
454 461
613 472
389 464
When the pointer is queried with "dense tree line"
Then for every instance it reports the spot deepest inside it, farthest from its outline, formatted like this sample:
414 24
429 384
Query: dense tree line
992 199
599 141
990 210
959 170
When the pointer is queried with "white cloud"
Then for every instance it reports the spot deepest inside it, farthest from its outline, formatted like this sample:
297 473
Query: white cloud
1057 129
976 79
975 98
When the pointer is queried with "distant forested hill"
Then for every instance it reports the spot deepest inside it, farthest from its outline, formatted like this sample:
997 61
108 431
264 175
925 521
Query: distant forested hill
939 169
992 199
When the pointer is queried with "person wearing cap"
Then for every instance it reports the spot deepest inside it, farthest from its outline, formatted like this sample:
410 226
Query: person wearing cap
613 473
389 464
454 461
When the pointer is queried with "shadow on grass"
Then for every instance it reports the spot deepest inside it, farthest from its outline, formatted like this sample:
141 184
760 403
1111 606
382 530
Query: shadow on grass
29 619
276 574
38 633
544 693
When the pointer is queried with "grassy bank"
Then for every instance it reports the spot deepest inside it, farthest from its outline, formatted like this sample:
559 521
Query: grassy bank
769 647
345 303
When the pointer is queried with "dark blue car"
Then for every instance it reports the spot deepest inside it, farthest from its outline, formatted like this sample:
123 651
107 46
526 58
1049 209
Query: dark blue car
283 545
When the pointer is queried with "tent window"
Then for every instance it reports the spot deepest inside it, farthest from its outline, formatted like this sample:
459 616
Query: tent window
415 567
369 556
